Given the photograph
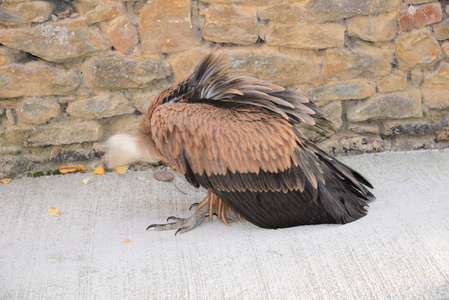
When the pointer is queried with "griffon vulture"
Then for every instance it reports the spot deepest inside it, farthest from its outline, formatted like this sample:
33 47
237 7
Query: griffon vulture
235 136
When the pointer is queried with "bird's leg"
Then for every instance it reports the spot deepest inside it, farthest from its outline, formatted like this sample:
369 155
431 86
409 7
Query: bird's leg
210 206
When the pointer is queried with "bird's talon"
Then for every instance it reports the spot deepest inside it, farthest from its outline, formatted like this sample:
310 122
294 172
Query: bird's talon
151 226
172 218
193 205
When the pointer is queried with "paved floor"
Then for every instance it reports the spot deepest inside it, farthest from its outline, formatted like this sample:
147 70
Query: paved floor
399 251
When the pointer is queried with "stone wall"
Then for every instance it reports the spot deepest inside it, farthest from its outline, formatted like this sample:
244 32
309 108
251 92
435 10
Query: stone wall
72 73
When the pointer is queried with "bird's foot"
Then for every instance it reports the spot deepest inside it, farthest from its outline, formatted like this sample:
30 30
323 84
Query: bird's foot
183 224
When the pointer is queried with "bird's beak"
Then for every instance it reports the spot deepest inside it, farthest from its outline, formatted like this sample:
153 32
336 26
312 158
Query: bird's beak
104 160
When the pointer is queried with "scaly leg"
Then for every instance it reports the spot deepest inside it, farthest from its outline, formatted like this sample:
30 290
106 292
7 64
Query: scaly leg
211 205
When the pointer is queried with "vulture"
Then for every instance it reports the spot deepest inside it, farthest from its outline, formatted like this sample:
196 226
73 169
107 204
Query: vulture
237 137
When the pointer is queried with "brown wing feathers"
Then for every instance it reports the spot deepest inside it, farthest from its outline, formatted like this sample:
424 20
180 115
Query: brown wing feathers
234 135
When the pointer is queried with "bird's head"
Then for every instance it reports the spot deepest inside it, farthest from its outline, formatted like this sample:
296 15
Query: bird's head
124 149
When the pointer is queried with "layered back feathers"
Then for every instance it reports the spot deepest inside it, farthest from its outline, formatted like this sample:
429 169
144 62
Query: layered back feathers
211 83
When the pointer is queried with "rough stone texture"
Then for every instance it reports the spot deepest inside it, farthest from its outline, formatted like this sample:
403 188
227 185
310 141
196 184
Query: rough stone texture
410 126
417 77
392 83
445 48
231 24
26 12
419 1
396 105
331 10
122 35
282 13
374 28
354 145
101 14
306 35
117 72
416 16
56 42
37 110
364 127
362 61
36 79
345 90
440 122
63 133
11 56
334 111
142 100
70 153
441 30
104 105
417 49
435 88
278 69
165 26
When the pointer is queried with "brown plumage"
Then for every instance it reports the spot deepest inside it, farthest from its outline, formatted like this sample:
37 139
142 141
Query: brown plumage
236 137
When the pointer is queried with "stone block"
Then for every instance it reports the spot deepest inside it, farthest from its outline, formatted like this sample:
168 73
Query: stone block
11 56
122 35
440 123
364 127
392 83
165 27
102 13
142 100
441 30
284 13
374 28
398 105
62 133
445 48
117 72
408 127
417 77
36 78
56 42
343 90
325 10
25 12
417 49
70 153
361 61
104 105
415 16
350 145
306 35
37 110
231 24
279 69
435 87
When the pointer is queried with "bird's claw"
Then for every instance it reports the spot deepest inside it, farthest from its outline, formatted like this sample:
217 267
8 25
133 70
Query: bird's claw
193 205
182 224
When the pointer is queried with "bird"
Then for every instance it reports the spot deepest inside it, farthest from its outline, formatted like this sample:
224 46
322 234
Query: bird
237 137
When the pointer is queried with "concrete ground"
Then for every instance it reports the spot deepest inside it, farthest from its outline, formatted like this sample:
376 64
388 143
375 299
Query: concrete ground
399 251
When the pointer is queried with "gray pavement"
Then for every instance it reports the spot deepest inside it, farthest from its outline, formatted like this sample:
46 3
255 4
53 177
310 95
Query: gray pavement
399 251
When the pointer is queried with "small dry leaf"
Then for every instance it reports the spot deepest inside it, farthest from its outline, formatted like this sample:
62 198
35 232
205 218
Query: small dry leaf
375 154
126 241
6 180
99 171
71 169
54 212
86 180
120 169
163 176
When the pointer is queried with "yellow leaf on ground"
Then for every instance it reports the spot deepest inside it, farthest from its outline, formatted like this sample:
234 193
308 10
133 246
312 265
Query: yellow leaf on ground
86 180
126 241
5 180
71 169
99 171
120 169
54 212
